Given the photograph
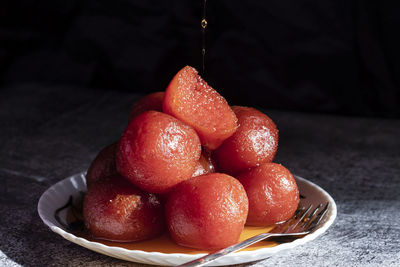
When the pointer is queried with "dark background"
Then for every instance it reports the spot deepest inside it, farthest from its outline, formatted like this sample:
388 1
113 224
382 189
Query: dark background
334 56
70 70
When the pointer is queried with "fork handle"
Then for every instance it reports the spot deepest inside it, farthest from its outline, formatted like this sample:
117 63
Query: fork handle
220 253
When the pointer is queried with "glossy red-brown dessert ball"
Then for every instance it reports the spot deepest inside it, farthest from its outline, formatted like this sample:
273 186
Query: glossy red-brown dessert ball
272 192
152 101
103 165
207 212
190 99
205 164
254 142
157 151
114 209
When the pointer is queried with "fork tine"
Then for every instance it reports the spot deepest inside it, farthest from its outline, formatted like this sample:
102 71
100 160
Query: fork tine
318 218
300 217
299 211
308 219
282 227
303 220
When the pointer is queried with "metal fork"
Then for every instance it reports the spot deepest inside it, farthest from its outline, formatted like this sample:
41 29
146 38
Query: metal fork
303 222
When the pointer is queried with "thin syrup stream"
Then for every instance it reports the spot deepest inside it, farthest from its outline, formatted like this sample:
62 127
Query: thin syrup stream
203 31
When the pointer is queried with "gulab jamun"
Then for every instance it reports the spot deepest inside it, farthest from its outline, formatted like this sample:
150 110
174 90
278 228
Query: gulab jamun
190 99
205 164
207 212
103 165
114 209
254 142
157 151
272 192
151 101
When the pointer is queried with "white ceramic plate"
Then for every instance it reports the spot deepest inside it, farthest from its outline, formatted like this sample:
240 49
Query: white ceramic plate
57 196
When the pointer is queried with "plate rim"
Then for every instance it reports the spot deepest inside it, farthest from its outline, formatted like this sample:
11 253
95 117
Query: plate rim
182 256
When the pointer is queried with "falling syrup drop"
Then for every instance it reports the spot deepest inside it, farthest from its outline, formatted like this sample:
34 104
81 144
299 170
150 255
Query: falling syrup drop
203 31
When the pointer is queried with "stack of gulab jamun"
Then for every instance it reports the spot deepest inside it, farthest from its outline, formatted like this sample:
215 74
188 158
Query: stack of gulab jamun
190 164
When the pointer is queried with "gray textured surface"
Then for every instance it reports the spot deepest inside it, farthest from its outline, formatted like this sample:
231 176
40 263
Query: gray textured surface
49 133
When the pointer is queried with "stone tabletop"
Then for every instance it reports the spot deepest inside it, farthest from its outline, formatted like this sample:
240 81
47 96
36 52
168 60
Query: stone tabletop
51 132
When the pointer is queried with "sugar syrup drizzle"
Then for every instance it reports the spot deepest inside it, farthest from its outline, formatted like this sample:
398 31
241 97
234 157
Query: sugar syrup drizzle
203 31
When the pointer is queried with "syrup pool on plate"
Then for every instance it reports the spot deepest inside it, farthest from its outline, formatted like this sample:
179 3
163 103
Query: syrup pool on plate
163 243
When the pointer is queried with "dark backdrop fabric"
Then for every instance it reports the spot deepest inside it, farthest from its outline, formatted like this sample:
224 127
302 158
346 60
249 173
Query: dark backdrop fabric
335 56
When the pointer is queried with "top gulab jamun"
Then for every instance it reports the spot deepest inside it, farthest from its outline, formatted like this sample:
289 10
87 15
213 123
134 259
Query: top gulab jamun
190 99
